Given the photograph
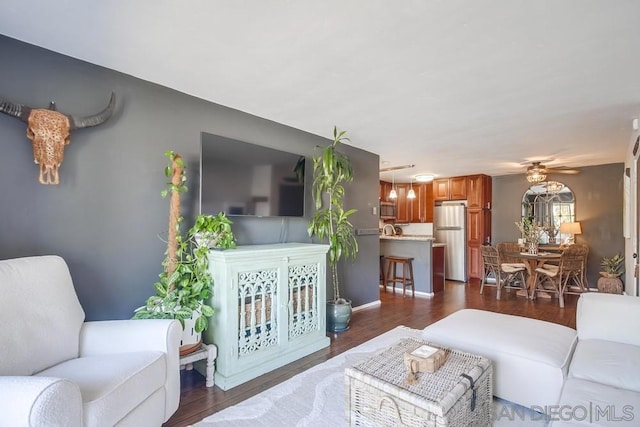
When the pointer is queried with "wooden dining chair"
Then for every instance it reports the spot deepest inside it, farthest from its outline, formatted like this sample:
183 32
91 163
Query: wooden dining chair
506 248
506 276
578 280
556 279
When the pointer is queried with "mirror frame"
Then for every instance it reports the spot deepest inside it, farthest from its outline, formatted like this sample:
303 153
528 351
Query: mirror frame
549 208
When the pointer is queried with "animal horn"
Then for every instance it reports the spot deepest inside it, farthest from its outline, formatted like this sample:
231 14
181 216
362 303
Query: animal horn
96 119
16 110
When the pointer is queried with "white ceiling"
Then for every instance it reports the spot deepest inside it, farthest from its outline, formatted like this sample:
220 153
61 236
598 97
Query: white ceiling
453 86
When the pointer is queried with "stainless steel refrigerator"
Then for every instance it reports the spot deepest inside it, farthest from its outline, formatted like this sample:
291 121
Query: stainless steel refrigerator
449 226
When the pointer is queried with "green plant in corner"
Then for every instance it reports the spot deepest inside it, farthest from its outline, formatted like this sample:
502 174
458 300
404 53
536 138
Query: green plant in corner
612 267
185 282
331 170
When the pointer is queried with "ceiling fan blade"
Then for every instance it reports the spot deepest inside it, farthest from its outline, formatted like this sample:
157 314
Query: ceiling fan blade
564 171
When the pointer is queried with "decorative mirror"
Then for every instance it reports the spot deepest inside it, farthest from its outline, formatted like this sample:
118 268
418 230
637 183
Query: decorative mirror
549 204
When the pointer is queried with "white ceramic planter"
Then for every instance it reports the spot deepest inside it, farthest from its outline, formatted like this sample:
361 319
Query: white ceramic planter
191 339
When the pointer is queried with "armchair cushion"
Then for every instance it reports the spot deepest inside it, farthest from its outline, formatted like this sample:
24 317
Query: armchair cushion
39 402
40 315
112 385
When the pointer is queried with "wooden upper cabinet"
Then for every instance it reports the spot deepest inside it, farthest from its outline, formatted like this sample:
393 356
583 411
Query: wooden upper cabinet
458 188
479 192
450 188
422 206
385 189
441 189
403 205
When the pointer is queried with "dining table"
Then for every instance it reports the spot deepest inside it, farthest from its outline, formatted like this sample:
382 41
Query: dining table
531 262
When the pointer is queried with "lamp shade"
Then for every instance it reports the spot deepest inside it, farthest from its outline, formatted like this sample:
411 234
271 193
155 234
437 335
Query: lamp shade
570 228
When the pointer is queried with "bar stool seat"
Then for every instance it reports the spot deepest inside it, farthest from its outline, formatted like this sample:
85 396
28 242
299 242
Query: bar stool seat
406 276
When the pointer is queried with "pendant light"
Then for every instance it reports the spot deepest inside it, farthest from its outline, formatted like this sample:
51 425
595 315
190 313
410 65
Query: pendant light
411 194
393 194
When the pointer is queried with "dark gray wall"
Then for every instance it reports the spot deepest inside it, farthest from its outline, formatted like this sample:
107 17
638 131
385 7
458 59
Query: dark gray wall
599 199
106 214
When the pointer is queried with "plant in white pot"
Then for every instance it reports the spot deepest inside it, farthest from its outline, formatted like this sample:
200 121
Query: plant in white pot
331 170
185 283
214 231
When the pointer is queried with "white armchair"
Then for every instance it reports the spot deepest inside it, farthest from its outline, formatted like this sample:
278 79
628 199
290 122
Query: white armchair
57 370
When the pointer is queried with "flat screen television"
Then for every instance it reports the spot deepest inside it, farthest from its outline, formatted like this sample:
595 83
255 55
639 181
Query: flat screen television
241 178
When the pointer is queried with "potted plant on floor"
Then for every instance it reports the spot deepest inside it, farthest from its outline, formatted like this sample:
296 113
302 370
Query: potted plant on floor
331 170
612 269
185 283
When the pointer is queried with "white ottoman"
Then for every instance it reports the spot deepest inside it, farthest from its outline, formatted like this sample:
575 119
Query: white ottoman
530 357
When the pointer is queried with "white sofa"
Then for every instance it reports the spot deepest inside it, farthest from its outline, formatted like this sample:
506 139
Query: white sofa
587 376
57 370
603 385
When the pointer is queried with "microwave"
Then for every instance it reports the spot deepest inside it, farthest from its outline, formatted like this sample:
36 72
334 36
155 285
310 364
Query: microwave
387 210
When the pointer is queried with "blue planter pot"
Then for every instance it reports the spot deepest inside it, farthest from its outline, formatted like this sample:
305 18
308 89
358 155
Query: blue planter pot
338 316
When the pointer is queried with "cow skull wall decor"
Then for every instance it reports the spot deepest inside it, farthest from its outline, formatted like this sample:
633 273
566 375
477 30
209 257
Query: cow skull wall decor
49 132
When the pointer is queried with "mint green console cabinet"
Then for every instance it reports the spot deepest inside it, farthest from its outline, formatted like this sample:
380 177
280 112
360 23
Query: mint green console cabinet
270 304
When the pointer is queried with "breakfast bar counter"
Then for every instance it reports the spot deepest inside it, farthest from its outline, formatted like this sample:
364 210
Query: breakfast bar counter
428 275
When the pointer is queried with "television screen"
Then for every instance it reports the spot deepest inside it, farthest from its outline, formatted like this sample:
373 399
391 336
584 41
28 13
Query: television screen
240 178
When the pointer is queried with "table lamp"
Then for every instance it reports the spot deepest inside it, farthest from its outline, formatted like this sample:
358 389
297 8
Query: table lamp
570 228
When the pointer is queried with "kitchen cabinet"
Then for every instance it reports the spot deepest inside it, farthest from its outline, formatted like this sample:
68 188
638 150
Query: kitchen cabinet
385 189
478 234
437 257
450 188
478 222
419 209
422 205
403 205
479 192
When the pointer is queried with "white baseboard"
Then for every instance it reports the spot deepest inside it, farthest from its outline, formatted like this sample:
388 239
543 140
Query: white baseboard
419 294
367 305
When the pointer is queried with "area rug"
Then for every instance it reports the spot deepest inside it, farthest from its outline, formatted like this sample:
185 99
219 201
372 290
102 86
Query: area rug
315 397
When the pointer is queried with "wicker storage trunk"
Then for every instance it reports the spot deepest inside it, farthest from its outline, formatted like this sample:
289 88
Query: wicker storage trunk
377 394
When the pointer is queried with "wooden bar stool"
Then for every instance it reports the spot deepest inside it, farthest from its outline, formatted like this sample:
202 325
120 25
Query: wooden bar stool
407 274
382 270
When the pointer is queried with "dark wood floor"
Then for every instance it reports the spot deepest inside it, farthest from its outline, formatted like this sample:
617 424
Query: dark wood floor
198 401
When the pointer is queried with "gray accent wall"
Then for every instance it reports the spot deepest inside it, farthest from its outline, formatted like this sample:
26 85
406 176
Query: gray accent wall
599 209
106 218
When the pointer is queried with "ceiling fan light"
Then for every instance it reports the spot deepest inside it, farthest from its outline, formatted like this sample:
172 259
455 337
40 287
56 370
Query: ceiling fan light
554 186
536 177
424 178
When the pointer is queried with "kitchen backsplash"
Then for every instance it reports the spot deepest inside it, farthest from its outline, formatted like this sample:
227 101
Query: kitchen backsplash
418 228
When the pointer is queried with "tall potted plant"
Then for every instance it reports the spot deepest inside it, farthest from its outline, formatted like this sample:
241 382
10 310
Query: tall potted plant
331 170
185 283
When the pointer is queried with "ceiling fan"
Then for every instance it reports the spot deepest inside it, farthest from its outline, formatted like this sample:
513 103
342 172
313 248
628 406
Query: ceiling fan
538 172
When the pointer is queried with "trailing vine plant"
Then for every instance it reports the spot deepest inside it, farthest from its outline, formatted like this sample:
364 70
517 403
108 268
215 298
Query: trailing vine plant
185 282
